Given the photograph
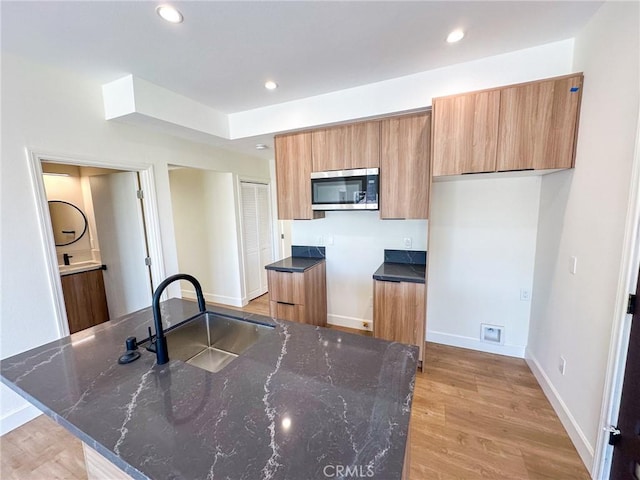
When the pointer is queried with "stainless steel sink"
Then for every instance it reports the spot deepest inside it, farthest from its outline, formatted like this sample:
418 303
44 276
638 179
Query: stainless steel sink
211 341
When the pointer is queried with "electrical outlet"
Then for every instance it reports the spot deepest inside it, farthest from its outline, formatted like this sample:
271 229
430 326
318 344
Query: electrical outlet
407 242
562 365
525 295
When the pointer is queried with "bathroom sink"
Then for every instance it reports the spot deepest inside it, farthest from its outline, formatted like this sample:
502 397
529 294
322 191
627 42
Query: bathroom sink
211 341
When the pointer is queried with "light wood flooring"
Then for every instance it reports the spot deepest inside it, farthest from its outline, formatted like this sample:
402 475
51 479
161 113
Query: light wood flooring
474 416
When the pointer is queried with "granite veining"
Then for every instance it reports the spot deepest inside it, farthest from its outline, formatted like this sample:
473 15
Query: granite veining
400 272
308 251
402 266
294 264
299 400
413 257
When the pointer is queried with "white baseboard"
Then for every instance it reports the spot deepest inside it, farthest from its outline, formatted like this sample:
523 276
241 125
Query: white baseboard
18 417
349 322
475 344
584 448
213 298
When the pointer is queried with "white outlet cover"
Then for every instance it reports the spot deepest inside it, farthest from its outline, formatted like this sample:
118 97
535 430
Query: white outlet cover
407 242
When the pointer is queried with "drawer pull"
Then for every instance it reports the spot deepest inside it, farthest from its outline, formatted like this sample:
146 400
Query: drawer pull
286 303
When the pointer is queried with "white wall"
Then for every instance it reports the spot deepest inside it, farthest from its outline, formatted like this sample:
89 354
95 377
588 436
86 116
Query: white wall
406 93
481 254
582 214
56 112
359 240
207 235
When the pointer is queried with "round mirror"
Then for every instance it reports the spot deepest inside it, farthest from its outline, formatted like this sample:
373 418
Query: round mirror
68 221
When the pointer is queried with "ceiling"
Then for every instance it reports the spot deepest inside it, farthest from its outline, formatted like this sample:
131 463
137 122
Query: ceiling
223 52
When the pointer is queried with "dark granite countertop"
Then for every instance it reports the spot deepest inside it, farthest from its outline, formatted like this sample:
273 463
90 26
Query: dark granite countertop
299 400
403 266
400 272
294 264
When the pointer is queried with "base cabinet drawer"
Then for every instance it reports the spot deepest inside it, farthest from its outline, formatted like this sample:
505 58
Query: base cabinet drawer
287 311
286 287
299 296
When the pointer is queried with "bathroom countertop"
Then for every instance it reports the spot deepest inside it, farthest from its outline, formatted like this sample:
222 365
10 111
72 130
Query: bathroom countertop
79 268
299 401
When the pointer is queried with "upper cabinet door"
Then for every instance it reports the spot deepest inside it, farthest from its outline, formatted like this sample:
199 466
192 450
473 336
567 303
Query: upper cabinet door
538 124
404 166
465 133
365 145
293 176
349 146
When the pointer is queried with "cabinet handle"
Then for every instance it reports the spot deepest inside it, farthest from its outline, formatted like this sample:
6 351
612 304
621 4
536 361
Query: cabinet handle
388 281
286 303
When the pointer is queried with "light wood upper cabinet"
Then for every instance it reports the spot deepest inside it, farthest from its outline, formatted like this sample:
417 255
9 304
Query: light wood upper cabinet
465 133
293 176
404 166
538 124
348 146
520 127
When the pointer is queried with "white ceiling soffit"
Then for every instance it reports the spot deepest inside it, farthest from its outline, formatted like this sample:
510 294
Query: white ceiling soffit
137 101
223 52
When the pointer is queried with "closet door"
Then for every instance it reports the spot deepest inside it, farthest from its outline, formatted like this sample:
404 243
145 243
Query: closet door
264 232
256 237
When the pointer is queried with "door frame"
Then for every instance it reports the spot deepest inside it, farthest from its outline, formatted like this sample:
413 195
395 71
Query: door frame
619 340
149 202
238 186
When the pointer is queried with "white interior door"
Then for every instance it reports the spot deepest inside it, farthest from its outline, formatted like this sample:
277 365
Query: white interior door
264 232
123 249
256 236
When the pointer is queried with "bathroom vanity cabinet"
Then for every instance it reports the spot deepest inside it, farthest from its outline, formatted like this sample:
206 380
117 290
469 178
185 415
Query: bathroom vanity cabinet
85 299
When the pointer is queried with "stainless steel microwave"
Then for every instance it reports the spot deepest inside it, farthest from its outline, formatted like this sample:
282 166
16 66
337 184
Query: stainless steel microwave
345 189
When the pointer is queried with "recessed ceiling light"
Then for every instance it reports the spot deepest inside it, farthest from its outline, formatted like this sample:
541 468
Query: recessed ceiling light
455 36
270 85
261 146
170 14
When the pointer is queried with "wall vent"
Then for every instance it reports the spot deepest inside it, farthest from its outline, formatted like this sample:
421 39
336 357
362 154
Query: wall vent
492 333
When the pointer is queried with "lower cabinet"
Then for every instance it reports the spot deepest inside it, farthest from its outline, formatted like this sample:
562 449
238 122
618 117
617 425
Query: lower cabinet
85 299
299 296
399 312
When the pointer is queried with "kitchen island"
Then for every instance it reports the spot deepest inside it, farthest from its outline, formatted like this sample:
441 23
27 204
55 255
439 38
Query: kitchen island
304 402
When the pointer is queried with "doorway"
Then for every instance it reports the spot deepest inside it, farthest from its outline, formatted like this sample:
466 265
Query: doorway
626 450
213 212
257 248
120 235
